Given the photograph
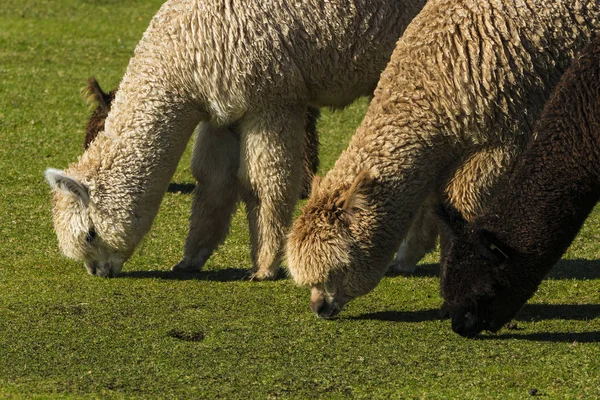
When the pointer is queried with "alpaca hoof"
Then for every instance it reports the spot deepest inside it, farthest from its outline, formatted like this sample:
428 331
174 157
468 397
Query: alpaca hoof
184 266
263 275
401 267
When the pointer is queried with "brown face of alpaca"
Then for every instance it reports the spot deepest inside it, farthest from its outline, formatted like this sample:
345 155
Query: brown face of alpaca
327 244
96 96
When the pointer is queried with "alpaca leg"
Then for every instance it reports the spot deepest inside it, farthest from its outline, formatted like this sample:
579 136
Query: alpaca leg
310 162
215 162
270 171
420 240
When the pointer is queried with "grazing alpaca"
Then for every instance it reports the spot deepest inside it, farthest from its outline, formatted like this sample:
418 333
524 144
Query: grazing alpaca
495 264
247 71
463 88
96 96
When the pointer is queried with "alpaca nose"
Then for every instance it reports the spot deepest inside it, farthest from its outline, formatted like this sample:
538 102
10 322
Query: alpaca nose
466 324
91 267
317 305
103 270
324 309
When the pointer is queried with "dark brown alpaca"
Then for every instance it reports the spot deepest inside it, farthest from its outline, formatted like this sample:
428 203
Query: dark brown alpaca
493 265
95 95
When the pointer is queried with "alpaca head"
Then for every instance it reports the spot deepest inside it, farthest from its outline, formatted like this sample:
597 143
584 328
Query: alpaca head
329 243
482 286
82 234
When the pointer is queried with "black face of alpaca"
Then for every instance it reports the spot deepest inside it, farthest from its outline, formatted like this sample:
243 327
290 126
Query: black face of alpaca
475 285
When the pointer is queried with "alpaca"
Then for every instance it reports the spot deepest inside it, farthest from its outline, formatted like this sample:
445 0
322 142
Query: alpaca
247 71
495 264
96 96
463 88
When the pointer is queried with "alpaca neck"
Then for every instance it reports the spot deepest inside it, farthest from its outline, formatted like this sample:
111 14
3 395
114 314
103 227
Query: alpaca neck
550 193
129 168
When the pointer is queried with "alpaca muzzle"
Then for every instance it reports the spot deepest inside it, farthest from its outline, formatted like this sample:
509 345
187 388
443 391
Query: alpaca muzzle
467 323
103 269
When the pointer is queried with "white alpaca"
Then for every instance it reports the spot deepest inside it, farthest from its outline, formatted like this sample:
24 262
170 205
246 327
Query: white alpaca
246 69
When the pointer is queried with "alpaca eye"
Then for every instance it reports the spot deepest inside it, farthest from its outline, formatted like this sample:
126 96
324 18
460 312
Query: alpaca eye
90 236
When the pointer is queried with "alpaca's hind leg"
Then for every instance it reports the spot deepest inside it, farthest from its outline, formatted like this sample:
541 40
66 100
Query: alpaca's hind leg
215 162
270 172
420 240
310 163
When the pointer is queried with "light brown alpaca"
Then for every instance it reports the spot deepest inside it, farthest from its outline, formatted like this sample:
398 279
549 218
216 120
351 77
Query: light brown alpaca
246 71
456 104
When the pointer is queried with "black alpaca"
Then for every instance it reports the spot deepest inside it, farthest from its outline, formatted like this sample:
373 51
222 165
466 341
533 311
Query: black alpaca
492 266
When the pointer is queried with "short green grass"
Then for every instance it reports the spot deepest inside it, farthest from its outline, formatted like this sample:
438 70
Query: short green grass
149 334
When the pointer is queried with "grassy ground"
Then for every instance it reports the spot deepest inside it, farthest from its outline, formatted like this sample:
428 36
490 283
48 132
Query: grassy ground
64 334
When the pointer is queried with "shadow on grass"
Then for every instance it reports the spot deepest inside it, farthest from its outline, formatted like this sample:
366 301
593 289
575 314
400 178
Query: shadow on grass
183 188
220 275
541 312
529 313
564 269
566 337
401 316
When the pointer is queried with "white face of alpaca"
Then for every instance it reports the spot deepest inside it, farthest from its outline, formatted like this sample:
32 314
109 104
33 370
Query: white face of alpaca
78 237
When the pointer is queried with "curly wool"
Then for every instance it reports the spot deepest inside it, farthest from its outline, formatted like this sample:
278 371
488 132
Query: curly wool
249 70
462 91
548 195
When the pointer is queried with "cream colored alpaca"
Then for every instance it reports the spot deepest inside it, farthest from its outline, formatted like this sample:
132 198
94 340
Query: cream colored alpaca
246 69
453 109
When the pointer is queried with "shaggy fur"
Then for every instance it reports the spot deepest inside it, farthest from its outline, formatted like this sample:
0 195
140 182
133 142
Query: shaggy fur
247 69
464 85
102 101
495 264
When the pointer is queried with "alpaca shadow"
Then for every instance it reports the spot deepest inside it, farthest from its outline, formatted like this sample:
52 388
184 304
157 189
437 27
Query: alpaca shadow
576 269
558 337
401 316
529 313
183 188
220 275
579 269
573 312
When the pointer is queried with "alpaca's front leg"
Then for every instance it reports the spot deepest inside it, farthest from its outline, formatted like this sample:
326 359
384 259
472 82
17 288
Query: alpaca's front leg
420 240
215 163
270 171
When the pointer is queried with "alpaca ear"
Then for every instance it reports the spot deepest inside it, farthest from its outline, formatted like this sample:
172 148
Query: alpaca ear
59 180
95 95
451 217
356 197
490 248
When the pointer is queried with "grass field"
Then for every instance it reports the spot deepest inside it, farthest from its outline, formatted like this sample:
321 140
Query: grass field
150 334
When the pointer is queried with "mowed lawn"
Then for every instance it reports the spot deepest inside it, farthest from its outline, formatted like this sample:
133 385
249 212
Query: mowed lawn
152 334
